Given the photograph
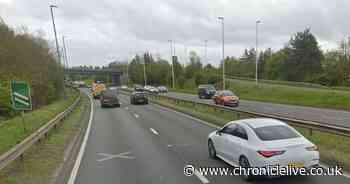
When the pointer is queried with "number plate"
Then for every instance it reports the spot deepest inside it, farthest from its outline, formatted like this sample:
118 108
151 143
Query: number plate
296 165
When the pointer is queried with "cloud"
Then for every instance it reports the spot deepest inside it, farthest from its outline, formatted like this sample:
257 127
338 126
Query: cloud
99 31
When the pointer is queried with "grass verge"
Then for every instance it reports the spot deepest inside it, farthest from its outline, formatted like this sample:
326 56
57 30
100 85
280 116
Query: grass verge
42 160
285 94
334 149
12 130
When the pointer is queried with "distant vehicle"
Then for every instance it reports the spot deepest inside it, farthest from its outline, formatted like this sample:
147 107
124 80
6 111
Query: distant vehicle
153 90
138 97
124 87
226 97
138 88
97 89
79 84
147 88
262 142
162 89
113 88
109 98
206 91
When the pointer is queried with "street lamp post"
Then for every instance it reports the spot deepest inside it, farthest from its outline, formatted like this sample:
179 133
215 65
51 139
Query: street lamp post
205 51
64 56
256 52
185 58
54 30
57 46
172 63
127 71
144 71
223 52
65 52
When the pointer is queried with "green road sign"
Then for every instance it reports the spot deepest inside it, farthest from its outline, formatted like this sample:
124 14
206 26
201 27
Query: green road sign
20 96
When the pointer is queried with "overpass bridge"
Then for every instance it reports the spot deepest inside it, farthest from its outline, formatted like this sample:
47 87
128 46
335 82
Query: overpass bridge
114 74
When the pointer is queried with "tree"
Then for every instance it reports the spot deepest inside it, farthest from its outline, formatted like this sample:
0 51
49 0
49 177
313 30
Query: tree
136 70
29 58
249 55
263 57
194 66
273 65
336 67
304 57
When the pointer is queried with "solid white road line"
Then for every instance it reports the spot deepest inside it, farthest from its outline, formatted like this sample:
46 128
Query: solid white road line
201 177
154 131
75 169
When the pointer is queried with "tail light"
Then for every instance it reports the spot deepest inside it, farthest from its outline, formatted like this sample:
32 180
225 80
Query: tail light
312 148
268 154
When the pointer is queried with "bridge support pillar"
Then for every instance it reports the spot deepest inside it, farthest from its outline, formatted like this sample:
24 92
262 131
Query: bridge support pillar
115 79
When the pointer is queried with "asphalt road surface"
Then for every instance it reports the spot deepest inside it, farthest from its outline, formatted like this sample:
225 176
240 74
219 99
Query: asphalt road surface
150 144
327 116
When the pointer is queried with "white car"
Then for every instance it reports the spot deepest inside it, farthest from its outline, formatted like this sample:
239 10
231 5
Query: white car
162 89
124 87
153 90
147 88
112 88
262 142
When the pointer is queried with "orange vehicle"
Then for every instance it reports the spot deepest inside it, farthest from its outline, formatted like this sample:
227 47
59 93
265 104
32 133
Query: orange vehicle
97 89
227 98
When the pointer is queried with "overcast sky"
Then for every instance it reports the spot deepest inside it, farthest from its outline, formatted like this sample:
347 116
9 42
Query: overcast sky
100 31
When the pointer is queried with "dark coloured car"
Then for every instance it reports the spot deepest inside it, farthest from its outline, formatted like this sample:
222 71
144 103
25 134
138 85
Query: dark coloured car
206 91
109 98
138 97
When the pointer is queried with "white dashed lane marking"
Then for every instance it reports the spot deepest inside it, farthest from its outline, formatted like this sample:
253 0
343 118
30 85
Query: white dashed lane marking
154 131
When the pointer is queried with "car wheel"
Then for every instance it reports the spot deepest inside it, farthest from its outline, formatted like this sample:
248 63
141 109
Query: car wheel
244 163
211 149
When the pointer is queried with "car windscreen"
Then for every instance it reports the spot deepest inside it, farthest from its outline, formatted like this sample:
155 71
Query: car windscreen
110 93
209 87
276 132
227 93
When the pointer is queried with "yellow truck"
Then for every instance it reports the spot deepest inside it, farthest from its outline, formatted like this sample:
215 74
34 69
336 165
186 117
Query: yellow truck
97 89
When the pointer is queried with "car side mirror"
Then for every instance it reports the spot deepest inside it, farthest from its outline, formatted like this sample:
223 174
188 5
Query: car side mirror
218 132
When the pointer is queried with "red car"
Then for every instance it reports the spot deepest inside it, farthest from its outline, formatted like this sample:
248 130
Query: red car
227 98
